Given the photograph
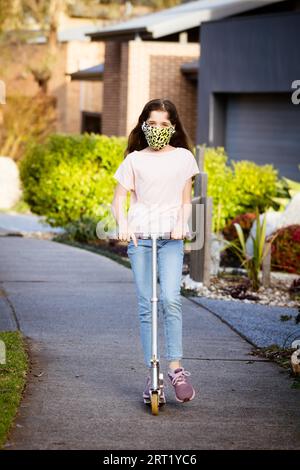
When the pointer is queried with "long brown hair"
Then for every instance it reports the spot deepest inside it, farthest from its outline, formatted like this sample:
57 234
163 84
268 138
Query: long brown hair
137 139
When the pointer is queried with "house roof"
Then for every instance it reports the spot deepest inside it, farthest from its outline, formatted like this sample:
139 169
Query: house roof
190 69
176 19
78 33
91 73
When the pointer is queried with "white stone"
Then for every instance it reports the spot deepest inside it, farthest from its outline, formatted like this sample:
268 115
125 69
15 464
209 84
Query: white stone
10 190
291 214
217 244
276 220
190 283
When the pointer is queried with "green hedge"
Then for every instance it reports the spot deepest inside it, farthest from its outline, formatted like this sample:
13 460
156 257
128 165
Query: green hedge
69 177
69 180
239 187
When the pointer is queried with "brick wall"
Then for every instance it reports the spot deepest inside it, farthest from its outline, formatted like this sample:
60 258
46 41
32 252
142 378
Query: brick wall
167 81
81 95
123 109
112 88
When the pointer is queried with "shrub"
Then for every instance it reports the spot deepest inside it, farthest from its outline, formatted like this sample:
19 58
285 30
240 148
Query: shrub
238 188
70 177
83 230
220 186
255 183
285 250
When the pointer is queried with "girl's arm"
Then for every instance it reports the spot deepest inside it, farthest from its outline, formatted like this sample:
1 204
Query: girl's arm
119 213
185 212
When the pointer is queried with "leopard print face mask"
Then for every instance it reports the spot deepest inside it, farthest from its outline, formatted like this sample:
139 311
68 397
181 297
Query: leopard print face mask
156 137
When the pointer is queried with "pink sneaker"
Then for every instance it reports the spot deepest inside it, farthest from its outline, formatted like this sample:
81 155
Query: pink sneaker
146 393
184 391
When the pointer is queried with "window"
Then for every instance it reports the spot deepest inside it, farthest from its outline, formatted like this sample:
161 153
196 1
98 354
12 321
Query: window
91 122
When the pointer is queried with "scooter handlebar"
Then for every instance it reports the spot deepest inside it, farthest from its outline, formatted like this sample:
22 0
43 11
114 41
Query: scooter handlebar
158 235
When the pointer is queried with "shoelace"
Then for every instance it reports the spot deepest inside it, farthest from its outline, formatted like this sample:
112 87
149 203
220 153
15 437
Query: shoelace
180 378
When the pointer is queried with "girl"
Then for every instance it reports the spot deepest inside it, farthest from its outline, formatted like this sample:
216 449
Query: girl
158 170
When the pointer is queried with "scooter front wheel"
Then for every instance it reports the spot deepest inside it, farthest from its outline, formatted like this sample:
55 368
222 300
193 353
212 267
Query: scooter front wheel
154 403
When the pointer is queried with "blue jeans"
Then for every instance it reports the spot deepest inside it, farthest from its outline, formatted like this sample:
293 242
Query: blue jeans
170 260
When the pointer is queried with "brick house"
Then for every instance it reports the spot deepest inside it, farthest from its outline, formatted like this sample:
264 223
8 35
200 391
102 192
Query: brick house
157 55
136 71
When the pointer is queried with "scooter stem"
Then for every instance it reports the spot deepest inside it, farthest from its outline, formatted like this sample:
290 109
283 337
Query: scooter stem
154 300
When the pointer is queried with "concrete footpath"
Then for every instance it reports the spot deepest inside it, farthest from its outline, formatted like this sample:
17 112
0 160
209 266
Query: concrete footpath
79 313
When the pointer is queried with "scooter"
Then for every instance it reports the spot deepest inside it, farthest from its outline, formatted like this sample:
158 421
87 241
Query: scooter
157 397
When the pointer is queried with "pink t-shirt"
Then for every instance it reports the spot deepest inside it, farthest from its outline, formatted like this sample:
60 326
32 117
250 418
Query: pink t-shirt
156 182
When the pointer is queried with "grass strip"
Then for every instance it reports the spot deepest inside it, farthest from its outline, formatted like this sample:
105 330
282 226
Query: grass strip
13 374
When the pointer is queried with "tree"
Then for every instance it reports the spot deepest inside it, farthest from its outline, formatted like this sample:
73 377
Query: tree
6 7
19 16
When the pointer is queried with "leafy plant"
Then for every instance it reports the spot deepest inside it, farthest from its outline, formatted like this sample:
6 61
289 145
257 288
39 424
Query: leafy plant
228 257
260 249
244 220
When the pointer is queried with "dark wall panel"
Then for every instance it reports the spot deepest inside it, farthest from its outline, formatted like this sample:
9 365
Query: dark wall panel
264 129
246 55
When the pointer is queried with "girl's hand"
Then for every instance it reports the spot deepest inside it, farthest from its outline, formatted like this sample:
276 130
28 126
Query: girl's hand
125 234
122 233
132 235
177 233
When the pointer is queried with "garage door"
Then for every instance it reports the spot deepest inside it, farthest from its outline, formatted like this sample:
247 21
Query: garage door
264 128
